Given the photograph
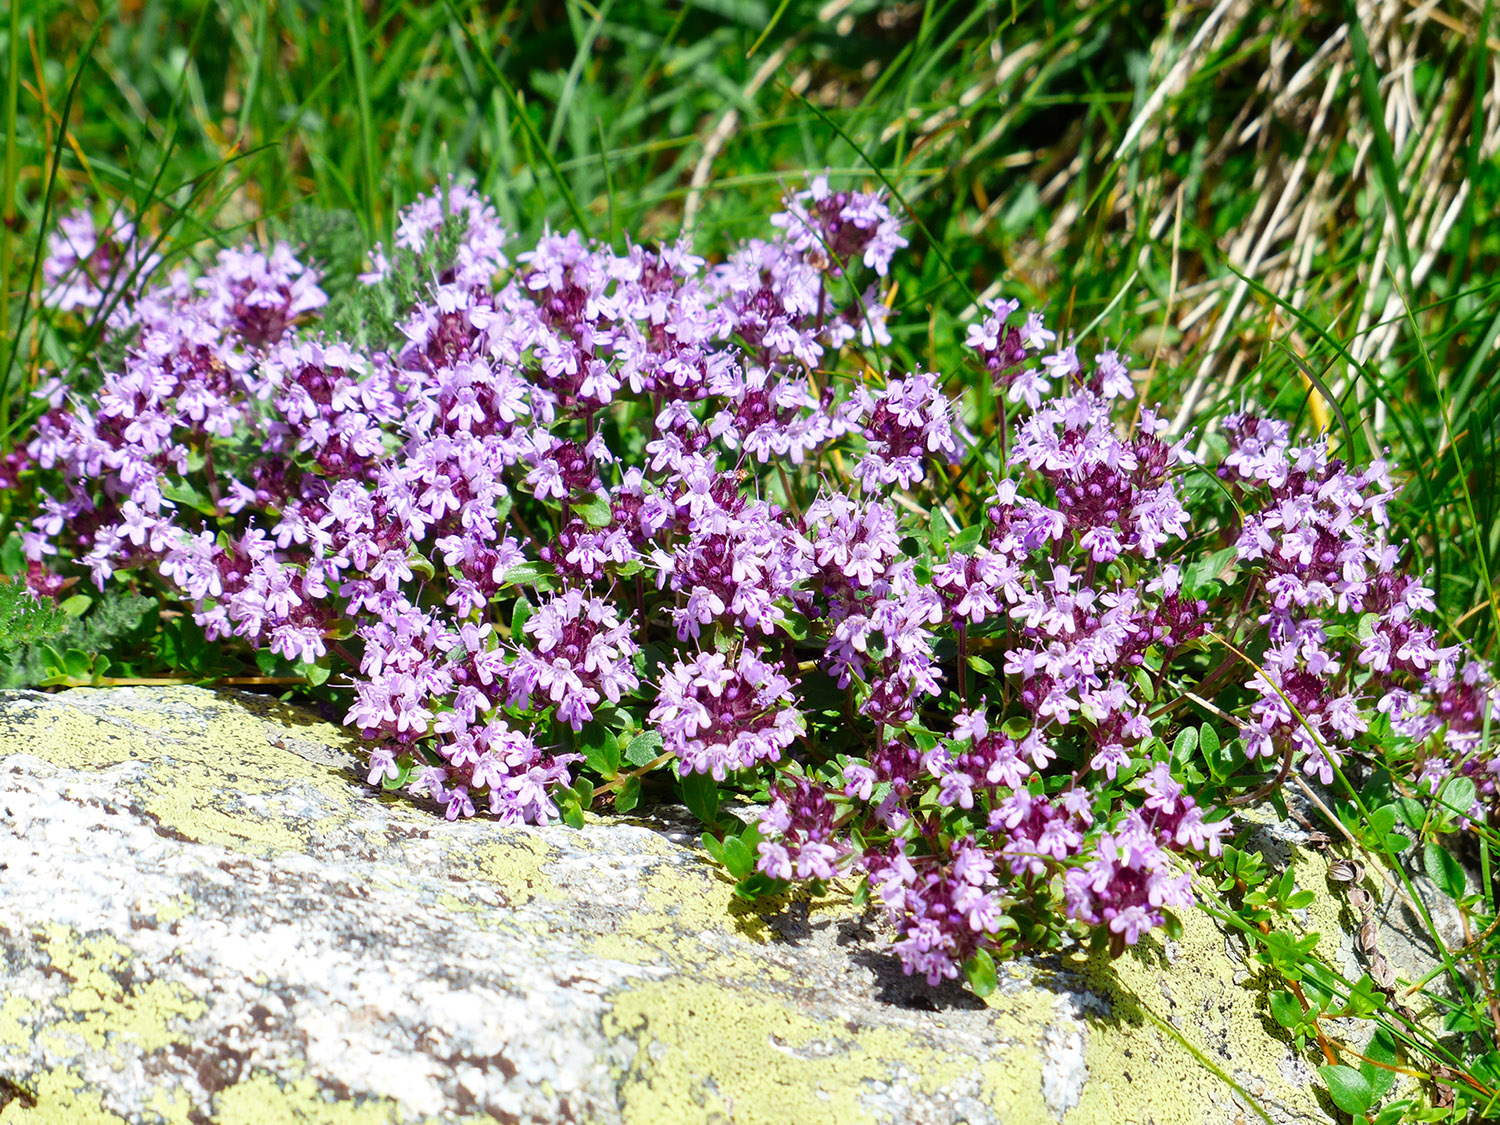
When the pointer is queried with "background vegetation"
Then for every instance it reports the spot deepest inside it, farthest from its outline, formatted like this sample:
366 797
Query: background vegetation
1258 201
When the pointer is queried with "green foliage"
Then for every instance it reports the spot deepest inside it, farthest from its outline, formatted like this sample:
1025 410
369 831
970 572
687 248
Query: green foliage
737 854
78 652
1351 1091
26 619
700 792
370 315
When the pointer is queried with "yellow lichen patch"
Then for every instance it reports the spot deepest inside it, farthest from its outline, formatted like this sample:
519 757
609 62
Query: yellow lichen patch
62 1098
1326 914
188 794
1141 1071
150 720
707 1051
1012 1080
174 1106
694 896
651 938
452 904
103 1000
516 865
71 739
15 1013
693 917
175 909
262 1100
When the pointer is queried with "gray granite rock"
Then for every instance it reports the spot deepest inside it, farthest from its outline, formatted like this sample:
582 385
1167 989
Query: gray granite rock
206 915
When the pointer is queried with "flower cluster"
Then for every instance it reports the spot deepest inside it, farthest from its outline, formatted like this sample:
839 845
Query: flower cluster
572 497
85 265
715 716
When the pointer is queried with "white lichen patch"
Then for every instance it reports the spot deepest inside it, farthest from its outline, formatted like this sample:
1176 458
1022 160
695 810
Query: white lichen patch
205 915
1064 1070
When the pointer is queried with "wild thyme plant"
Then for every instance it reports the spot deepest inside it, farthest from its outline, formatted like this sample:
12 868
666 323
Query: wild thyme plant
556 518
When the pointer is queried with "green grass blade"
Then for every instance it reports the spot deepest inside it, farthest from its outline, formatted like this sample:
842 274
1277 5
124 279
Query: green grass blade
1385 157
47 200
519 110
770 27
354 24
8 190
570 83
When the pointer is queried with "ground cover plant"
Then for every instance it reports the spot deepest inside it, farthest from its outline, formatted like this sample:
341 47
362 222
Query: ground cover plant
831 463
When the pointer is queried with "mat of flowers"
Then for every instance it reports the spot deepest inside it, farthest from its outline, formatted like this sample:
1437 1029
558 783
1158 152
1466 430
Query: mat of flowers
570 516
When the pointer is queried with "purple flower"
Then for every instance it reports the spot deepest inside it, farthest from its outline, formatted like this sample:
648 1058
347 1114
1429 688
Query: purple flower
718 717
582 655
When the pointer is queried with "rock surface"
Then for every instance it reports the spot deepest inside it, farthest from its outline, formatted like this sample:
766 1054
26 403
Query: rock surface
207 916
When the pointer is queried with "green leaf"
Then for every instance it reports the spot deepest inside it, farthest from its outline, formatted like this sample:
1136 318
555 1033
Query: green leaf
1172 925
795 625
1486 1068
1184 745
12 555
1457 794
1444 870
572 813
981 665
601 749
519 615
1220 757
594 509
584 788
758 886
1208 738
1411 812
644 748
405 765
1016 727
1382 820
77 605
182 492
530 574
1381 1049
78 664
965 541
1351 1091
713 846
1142 680
628 795
1215 568
316 674
738 857
1285 1010
700 792
980 969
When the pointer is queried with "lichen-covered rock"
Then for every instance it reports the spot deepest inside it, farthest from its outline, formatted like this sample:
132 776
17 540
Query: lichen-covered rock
205 915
